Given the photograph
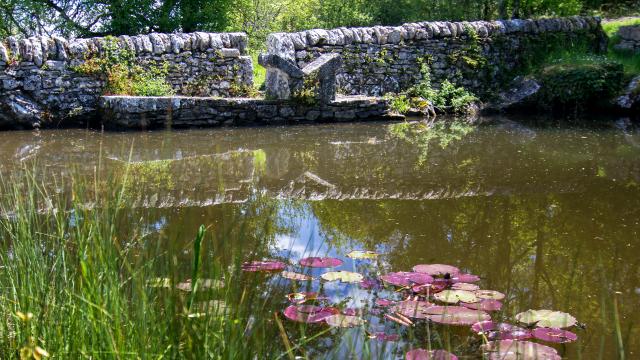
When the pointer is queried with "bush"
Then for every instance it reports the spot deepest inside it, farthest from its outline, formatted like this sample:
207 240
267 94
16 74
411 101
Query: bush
422 95
579 84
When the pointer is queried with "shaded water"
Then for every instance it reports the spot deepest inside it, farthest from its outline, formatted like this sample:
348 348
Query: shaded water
549 216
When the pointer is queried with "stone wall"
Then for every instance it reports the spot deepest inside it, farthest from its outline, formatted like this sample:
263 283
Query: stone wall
135 112
38 80
478 55
629 39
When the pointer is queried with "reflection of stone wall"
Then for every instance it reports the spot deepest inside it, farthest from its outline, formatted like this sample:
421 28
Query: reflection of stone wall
476 54
36 74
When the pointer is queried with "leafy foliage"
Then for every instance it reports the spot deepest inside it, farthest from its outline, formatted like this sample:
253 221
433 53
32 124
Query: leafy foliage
574 84
423 95
124 74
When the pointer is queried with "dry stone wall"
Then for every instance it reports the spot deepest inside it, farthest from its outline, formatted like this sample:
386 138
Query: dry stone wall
132 112
478 55
39 78
629 39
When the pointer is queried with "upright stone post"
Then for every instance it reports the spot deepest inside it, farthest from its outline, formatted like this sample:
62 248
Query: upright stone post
286 81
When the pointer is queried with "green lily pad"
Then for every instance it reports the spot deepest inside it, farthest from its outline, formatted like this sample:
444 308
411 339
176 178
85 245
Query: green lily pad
362 255
344 276
456 296
546 318
345 321
159 283
295 276
489 294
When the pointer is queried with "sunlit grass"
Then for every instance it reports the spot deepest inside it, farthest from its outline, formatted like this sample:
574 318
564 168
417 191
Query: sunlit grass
631 62
80 280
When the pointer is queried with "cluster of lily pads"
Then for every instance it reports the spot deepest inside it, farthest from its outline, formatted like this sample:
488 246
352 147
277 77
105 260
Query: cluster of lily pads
432 292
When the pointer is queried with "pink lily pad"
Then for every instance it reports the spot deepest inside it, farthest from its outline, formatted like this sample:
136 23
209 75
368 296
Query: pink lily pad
484 305
554 335
412 309
320 262
455 315
437 269
465 286
350 311
384 302
465 278
501 331
422 354
403 278
380 336
254 266
369 284
437 286
309 313
521 350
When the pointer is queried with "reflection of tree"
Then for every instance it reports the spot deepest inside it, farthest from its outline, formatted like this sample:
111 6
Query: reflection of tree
545 251
422 135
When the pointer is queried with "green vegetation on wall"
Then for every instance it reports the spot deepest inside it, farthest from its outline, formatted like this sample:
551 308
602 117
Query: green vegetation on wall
578 84
124 74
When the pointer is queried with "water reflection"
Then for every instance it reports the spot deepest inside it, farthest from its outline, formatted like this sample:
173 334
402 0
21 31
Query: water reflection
548 216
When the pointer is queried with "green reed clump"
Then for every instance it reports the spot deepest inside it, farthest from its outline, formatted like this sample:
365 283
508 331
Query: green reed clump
80 279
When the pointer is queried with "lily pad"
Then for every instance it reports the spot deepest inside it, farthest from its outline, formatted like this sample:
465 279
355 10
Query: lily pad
456 296
384 302
345 321
554 335
465 286
455 315
209 308
309 313
546 318
320 262
159 283
465 278
412 309
484 305
501 331
430 289
362 255
436 269
295 276
422 354
301 297
203 284
370 284
344 276
403 278
380 336
520 350
254 266
490 295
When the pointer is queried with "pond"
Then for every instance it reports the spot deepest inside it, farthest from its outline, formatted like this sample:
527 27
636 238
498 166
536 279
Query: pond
548 216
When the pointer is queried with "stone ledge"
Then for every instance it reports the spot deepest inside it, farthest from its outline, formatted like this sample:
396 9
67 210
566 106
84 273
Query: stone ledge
286 43
39 49
133 112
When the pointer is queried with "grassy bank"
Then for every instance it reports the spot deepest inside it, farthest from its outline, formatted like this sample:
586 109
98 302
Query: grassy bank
82 279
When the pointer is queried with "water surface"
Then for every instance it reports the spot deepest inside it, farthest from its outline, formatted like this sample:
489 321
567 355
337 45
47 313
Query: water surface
549 216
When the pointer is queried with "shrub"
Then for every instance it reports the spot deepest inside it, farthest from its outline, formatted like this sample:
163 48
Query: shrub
422 95
581 83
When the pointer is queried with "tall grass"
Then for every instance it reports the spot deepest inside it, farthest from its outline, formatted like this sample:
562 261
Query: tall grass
99 288
631 62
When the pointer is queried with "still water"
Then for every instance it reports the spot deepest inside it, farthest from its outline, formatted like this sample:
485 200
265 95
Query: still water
550 216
